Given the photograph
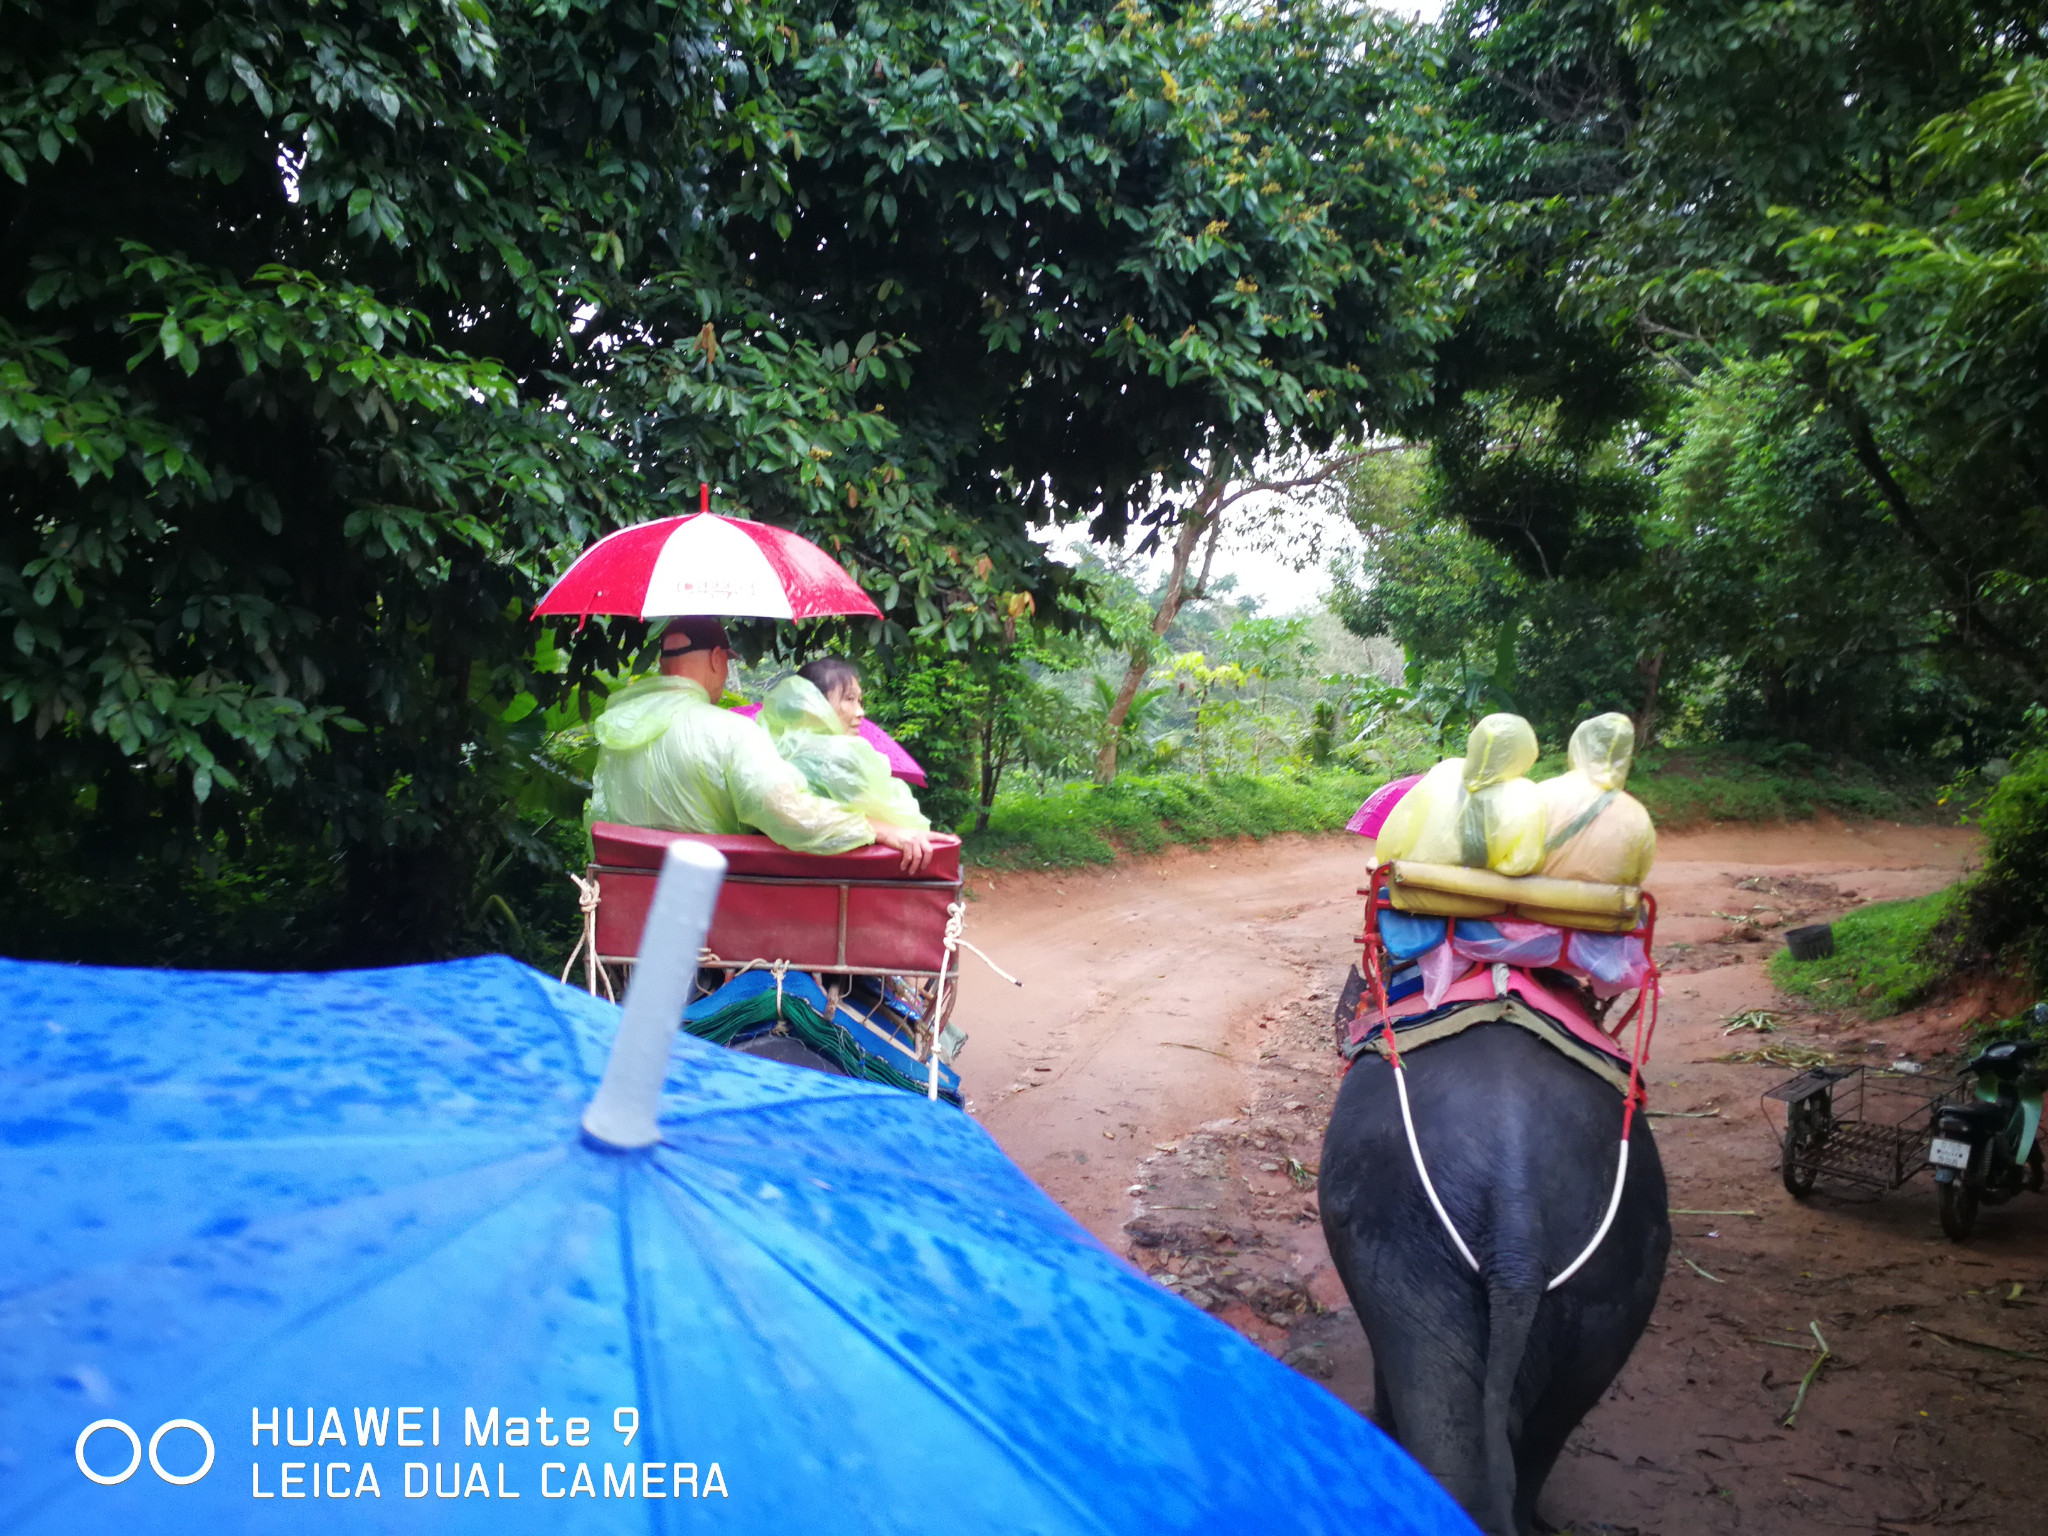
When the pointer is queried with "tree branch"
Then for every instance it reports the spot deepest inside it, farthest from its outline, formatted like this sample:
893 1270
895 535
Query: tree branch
1961 590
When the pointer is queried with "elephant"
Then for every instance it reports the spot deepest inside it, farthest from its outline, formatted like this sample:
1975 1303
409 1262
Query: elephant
1482 1376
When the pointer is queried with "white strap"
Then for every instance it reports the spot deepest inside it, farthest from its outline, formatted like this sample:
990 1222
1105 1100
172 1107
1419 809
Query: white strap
1415 1147
1613 1205
1444 1216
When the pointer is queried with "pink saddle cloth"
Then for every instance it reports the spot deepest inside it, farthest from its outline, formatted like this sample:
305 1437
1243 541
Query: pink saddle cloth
1477 985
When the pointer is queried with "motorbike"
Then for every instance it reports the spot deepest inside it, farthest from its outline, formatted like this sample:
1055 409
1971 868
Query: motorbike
1986 1152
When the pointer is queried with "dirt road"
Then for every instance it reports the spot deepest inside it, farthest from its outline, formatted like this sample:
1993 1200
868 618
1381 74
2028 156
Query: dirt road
1167 1070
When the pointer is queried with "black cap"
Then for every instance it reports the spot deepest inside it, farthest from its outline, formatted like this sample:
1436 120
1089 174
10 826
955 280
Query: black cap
697 632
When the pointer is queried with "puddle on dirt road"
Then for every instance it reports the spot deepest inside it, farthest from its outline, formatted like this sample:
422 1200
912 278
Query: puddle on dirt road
1184 1004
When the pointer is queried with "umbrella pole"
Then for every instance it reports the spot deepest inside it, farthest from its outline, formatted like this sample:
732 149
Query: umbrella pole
622 1113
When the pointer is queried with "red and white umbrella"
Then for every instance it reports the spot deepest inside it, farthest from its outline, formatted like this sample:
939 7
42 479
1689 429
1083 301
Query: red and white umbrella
705 563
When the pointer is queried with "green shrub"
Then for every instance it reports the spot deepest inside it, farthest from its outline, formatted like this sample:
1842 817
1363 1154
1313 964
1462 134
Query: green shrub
2003 916
1883 960
1075 824
1773 782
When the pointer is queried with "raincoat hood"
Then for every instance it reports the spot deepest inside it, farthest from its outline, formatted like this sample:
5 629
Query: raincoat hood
642 713
1501 747
836 763
1602 749
795 705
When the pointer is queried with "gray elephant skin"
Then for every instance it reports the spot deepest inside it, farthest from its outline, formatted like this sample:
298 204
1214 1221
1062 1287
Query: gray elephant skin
1482 1376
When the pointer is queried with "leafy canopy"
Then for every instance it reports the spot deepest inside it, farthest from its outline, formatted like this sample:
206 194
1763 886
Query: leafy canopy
328 333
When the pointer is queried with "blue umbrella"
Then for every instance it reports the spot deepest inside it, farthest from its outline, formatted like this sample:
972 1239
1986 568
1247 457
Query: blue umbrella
329 1253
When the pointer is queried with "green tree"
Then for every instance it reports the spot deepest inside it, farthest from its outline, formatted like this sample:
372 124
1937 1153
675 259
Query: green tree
1774 559
1840 183
327 334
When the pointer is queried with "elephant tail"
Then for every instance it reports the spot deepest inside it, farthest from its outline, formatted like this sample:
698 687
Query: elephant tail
1511 1314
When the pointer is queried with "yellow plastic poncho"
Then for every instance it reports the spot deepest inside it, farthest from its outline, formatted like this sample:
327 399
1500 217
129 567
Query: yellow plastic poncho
834 761
1477 810
1594 829
671 758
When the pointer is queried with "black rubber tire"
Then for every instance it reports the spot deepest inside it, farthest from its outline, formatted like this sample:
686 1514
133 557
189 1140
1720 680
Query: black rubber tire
1800 1141
1798 1180
1958 1204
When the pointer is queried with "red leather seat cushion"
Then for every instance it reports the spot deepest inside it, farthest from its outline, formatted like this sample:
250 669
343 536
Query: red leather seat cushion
622 847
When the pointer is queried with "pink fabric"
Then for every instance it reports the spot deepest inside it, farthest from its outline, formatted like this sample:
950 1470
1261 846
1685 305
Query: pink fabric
1372 815
1441 968
901 763
1479 985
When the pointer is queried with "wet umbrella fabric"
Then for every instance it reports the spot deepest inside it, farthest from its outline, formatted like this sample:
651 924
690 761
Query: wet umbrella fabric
366 1191
707 564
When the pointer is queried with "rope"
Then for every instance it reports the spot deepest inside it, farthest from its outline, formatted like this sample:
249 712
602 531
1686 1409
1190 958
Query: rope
956 919
1428 1188
779 969
586 946
1613 1205
984 959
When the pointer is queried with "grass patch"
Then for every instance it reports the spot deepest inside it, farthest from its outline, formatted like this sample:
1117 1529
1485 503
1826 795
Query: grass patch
1882 961
1742 782
1076 824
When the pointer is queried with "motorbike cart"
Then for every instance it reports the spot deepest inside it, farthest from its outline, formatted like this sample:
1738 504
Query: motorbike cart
1875 1129
863 963
1857 1125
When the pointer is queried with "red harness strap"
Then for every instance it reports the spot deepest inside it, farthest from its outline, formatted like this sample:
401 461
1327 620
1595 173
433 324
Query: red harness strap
1641 1013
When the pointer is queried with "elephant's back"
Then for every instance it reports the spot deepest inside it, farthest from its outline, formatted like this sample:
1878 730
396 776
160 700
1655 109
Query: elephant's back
1520 1141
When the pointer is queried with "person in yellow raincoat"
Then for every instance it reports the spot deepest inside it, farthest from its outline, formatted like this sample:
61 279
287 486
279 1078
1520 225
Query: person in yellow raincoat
1477 810
1595 830
670 757
813 719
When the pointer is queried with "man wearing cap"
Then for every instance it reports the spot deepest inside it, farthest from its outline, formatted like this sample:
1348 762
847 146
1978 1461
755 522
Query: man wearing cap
670 757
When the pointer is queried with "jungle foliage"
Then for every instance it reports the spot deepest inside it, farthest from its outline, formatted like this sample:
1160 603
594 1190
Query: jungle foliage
1767 279
328 334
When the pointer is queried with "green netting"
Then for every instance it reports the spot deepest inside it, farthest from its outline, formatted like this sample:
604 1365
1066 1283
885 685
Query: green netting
833 1041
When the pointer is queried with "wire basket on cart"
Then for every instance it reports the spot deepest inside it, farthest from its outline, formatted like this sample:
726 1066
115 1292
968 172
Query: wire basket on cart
1858 1125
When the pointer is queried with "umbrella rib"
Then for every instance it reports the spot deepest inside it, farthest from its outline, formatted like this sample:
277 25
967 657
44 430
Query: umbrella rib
636 1317
965 1407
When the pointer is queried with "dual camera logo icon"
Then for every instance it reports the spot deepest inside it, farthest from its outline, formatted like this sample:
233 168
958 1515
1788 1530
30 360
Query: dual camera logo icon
135 1449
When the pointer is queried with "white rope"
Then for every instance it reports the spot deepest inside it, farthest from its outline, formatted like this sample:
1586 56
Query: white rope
1444 1216
984 959
956 919
1415 1147
1613 1205
586 946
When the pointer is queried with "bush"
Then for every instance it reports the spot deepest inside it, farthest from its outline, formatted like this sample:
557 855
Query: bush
1772 782
1076 824
1884 960
2003 915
